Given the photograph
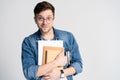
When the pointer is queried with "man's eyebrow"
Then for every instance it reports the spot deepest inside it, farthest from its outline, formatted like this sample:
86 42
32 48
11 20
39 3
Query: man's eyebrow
47 16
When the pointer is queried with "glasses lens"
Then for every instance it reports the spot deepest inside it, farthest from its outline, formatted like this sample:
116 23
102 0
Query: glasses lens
48 20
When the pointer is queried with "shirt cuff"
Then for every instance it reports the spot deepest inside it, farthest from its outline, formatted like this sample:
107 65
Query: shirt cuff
31 72
77 67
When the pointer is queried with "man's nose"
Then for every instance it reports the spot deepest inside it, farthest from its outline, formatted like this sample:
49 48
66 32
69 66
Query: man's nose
44 21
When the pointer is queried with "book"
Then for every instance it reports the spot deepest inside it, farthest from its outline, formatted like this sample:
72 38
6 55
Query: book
42 43
50 53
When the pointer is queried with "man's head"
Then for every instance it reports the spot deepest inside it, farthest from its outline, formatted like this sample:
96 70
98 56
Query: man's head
42 6
44 16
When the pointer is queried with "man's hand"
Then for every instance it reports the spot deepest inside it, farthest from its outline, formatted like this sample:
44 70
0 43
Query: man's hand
60 59
52 75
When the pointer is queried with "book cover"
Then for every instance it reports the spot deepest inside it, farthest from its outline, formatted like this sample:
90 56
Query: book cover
42 43
50 53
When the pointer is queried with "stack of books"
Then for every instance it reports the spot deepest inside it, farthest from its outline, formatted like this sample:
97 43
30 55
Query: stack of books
50 53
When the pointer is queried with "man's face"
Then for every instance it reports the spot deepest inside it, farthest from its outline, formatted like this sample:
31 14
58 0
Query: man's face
45 20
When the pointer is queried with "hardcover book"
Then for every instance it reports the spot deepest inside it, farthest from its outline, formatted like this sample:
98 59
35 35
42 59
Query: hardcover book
43 43
50 53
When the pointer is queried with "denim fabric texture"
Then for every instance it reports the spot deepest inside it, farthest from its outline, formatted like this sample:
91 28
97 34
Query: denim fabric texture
29 54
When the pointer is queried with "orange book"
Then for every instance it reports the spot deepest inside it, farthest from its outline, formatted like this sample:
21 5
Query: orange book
50 53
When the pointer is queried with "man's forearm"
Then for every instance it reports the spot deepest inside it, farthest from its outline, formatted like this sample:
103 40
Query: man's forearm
59 61
69 71
43 69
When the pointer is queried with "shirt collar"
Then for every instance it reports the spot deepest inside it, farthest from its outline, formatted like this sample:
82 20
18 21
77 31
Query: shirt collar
39 37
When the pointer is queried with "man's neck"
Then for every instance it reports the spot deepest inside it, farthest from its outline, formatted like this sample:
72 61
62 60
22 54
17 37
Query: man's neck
49 35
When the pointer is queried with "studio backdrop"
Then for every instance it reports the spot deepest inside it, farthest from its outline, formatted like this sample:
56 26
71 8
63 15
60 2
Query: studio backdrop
94 23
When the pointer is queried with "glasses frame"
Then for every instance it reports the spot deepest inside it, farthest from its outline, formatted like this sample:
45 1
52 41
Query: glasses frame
48 19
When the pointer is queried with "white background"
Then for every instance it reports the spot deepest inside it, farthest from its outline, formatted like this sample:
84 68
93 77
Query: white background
94 23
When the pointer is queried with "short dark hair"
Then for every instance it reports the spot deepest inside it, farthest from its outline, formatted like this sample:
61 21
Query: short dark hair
44 5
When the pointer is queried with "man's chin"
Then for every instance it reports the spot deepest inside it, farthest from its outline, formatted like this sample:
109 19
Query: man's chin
45 31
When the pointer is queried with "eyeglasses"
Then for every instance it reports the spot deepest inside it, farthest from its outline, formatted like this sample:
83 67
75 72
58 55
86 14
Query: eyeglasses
48 19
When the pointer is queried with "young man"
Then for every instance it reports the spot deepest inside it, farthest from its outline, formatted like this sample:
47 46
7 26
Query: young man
44 17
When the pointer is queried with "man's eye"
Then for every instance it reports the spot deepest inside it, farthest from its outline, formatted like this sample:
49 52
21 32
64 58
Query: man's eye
40 18
48 18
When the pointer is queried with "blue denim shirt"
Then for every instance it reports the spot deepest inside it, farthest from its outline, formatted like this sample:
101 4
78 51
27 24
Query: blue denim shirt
30 53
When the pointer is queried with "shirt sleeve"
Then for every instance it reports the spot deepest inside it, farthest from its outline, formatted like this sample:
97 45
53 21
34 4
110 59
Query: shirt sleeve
28 60
76 60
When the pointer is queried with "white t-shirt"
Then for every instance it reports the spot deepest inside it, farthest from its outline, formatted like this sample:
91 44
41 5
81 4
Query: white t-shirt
63 78
60 78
